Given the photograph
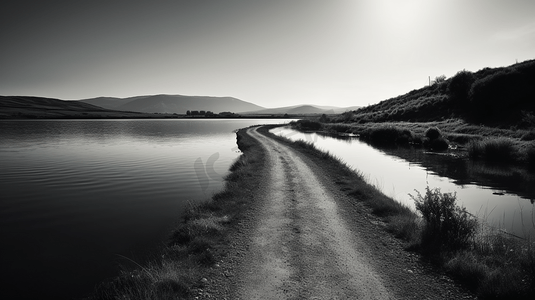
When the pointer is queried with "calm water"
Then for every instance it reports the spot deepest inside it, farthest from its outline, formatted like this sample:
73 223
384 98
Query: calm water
500 195
77 195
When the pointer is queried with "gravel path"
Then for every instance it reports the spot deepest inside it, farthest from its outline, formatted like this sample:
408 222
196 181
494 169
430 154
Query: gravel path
305 239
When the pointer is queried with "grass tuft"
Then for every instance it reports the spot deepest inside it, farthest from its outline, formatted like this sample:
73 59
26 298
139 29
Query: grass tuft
494 150
446 224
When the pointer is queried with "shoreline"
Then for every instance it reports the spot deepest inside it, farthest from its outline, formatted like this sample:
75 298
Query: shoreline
194 263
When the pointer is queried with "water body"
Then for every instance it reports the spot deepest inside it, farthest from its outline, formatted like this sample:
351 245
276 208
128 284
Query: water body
499 195
79 195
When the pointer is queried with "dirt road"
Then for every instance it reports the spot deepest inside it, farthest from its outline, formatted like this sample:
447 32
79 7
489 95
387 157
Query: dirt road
306 240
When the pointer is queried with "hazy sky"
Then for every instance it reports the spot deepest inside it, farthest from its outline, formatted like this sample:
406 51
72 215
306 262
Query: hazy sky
269 52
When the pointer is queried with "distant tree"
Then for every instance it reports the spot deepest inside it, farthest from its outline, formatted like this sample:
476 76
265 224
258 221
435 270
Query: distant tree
188 113
194 112
226 114
202 112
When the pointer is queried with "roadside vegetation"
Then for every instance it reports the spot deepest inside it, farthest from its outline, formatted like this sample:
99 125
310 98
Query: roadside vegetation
199 239
490 262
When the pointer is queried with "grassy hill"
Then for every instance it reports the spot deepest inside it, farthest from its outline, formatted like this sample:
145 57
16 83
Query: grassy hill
15 107
498 97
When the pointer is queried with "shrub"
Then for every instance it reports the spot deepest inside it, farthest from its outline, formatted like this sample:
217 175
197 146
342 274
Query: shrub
435 141
389 135
447 226
439 79
384 135
324 119
309 125
439 144
433 133
406 136
460 85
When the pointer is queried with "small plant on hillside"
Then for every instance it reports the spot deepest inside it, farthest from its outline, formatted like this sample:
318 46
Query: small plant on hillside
438 80
447 226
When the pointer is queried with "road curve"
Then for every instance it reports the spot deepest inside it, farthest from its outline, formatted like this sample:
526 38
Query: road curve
301 247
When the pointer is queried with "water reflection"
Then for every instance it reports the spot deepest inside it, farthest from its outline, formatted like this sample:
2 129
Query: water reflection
499 194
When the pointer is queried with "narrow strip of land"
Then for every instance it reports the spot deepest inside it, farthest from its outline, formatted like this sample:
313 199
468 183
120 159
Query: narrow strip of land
305 239
301 248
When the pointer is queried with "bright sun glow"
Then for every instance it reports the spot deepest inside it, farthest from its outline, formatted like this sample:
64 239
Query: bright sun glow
400 15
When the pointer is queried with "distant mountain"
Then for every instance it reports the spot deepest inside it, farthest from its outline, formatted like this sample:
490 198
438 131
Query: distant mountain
107 102
40 107
174 104
302 110
144 106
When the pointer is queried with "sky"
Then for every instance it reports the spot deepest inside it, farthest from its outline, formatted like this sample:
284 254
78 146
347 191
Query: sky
269 52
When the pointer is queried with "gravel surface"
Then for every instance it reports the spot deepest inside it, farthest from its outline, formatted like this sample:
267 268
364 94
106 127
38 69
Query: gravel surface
304 238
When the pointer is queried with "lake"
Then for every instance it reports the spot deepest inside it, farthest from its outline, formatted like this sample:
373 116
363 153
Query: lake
501 196
78 196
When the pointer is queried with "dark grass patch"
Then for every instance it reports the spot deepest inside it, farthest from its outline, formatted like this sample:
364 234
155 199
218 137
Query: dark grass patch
494 150
530 153
529 136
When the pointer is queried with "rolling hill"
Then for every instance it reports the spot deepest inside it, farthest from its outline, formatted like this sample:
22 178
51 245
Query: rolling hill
173 104
503 96
40 107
